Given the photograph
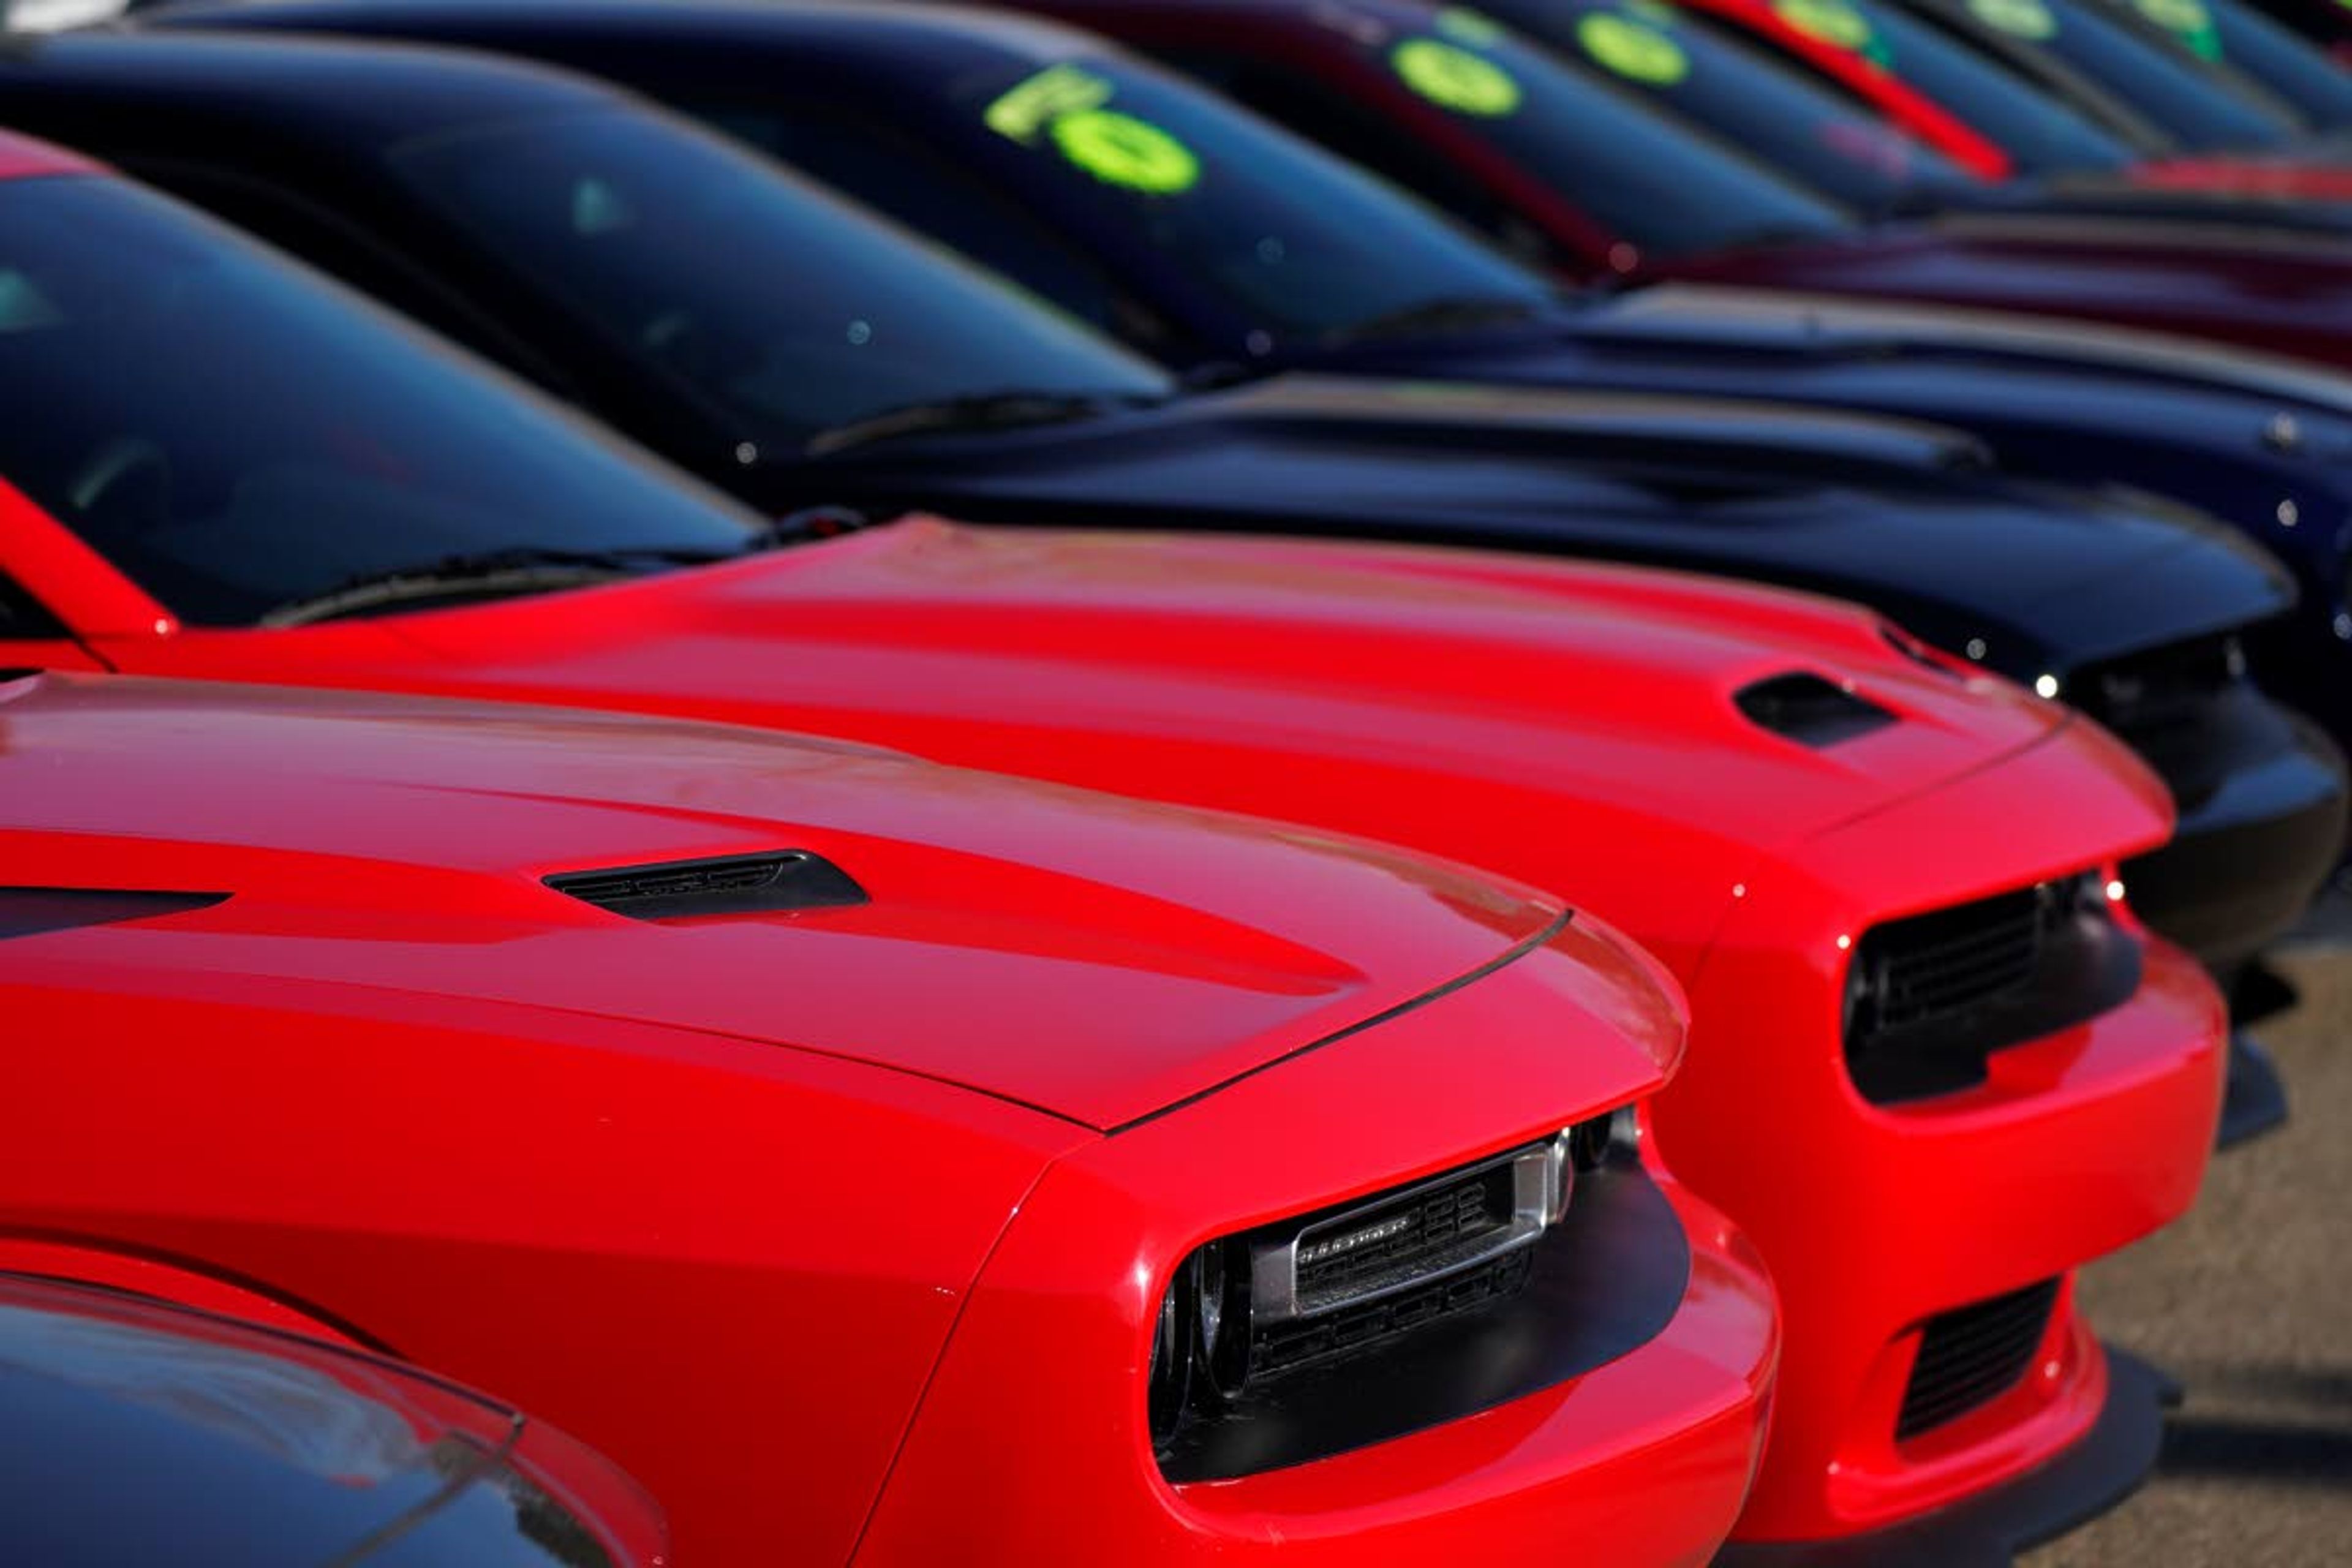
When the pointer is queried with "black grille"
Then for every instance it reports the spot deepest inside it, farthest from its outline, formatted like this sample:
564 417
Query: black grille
1286 1347
1370 1249
1810 710
1930 998
728 885
1943 965
1973 1356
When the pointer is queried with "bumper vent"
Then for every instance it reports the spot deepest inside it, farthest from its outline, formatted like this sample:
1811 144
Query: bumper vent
1930 998
1810 710
729 885
1973 1356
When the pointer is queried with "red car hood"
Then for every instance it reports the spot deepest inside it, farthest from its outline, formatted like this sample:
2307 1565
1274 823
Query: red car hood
1052 650
1097 958
2286 293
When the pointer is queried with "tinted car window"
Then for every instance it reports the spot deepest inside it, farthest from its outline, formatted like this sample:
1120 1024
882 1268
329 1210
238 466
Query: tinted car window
789 312
2169 89
2237 35
1660 186
235 434
1284 233
895 174
2039 134
1714 80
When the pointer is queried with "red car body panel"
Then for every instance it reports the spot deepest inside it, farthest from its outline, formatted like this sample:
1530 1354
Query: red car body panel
1572 726
737 1257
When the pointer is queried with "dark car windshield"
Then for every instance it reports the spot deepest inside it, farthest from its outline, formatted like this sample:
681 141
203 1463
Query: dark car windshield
1302 242
1667 189
234 434
2234 33
2164 86
1735 90
2039 134
784 310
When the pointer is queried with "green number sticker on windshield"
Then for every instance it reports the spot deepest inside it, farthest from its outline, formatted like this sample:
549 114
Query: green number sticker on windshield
1120 149
2029 20
1631 49
2188 21
1452 77
1835 22
1064 104
1029 107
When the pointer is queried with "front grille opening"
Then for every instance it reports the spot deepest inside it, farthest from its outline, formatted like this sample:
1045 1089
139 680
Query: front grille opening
1970 1357
1810 711
1393 1244
1929 999
774 883
1305 1342
1307 1297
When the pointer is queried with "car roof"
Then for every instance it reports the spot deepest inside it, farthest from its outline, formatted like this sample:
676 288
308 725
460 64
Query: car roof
370 94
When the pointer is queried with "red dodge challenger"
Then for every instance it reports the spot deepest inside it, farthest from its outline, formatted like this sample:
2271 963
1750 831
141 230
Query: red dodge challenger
884 1161
1936 1063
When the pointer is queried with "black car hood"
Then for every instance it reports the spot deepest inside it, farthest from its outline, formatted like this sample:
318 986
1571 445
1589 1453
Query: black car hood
1908 517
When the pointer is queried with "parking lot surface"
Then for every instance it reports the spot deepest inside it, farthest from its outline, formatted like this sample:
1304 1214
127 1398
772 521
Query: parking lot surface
2249 1303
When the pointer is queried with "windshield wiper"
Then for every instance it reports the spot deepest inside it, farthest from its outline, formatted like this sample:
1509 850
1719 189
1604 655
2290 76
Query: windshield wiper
487 574
974 411
1435 316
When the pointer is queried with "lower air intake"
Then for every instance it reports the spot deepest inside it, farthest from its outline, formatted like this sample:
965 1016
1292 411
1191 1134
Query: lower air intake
1970 1357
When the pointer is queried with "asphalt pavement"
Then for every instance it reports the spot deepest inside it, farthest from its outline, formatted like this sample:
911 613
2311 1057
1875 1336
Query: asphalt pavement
2248 1301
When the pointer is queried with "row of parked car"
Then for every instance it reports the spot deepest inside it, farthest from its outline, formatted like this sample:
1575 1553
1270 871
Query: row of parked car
991 813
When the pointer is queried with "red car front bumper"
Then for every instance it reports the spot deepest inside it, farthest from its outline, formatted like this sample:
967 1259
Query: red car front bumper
1960 1215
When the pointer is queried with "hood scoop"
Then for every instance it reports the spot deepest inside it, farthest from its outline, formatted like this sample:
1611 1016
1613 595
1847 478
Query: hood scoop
30 912
779 883
1810 710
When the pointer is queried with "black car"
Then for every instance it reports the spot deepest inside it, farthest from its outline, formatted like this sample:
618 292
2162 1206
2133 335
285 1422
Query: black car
1282 257
134 1432
808 357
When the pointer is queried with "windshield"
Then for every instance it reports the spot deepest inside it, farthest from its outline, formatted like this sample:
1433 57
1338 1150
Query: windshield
234 434
783 309
1664 187
1303 242
2236 35
2039 134
2190 105
1734 91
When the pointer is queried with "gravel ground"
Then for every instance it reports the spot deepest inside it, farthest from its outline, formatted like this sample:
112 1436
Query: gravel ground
2249 1302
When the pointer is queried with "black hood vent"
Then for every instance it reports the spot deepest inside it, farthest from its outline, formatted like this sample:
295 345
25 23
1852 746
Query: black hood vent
769 884
28 911
1810 710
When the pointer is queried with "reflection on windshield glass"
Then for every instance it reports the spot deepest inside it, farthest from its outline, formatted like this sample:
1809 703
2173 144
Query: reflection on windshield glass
1664 187
1301 241
783 308
233 434
1733 89
2171 88
2039 134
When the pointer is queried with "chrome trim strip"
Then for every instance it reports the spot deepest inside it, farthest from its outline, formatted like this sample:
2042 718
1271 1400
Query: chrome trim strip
1542 1179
